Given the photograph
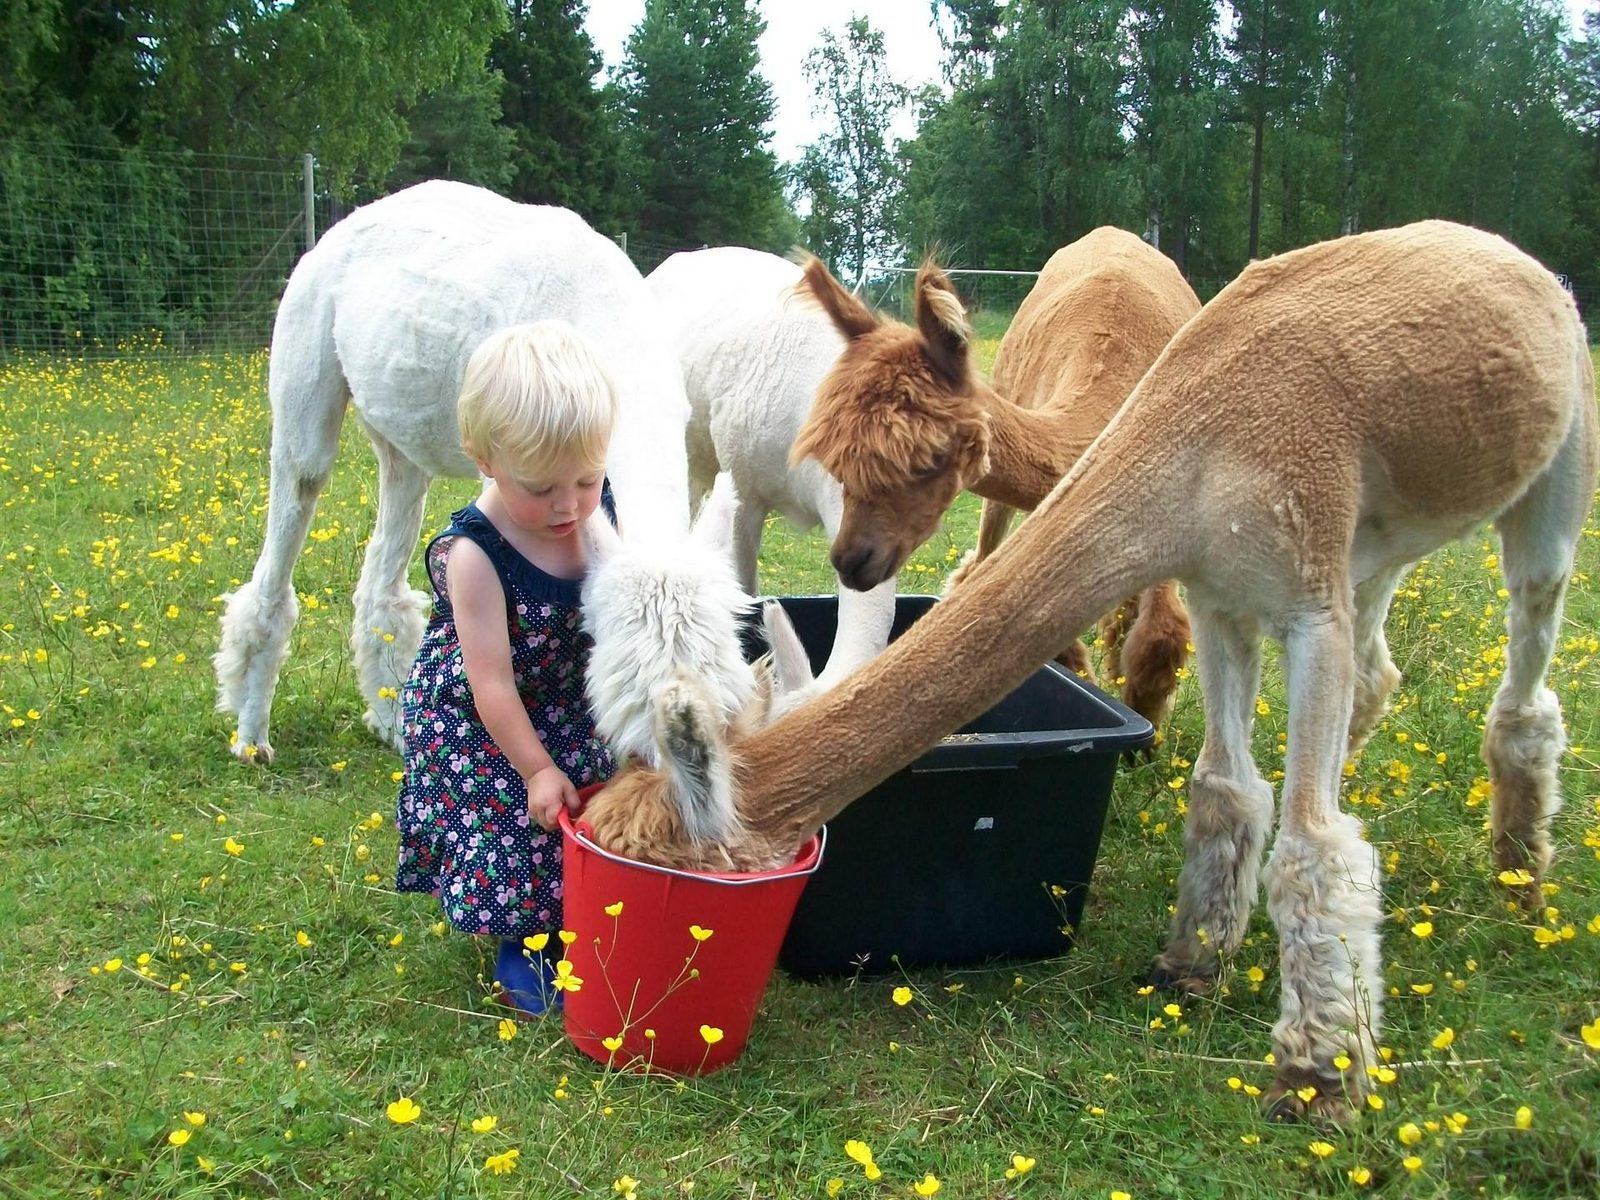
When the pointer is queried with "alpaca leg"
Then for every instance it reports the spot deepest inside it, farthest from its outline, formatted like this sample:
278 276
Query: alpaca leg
994 519
1376 675
308 406
1322 889
389 615
1523 737
1154 651
1230 810
863 630
749 522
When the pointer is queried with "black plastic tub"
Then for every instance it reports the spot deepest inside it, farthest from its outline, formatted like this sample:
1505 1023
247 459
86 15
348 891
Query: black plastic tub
981 849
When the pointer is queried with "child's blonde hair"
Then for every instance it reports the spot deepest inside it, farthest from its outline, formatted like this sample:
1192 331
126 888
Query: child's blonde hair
534 394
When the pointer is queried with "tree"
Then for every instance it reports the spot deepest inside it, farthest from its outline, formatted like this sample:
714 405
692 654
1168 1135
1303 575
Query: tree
568 147
850 175
1174 109
698 114
1274 59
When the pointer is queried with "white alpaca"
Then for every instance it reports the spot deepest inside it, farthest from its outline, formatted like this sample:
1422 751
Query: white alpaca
752 358
382 314
667 679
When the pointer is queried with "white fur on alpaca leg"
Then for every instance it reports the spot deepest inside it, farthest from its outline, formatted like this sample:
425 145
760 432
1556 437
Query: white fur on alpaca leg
384 638
1224 837
1323 894
254 643
1522 747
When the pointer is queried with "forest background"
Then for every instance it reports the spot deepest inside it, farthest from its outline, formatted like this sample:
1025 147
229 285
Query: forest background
1221 131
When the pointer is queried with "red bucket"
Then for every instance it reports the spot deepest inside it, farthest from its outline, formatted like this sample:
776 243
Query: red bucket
672 978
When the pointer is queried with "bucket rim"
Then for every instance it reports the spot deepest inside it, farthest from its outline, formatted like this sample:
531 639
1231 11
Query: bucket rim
805 863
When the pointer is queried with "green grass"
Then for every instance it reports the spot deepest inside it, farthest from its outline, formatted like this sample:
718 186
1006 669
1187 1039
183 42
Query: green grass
132 495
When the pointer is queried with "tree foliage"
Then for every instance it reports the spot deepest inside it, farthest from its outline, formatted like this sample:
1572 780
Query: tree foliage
698 116
850 177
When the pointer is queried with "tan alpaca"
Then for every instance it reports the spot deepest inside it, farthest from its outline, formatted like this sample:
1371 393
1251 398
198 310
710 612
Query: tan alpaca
904 443
1333 415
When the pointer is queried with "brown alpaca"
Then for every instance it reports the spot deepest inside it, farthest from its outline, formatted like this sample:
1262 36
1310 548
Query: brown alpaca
904 442
1333 415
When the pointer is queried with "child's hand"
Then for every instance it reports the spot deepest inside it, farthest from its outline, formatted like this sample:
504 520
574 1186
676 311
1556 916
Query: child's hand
549 790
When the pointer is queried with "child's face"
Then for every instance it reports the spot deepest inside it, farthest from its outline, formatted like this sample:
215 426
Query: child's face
550 503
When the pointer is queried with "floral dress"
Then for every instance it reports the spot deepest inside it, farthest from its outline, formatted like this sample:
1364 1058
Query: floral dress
465 833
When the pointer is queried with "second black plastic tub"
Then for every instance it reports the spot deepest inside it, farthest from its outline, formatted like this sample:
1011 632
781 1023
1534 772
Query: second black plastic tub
982 848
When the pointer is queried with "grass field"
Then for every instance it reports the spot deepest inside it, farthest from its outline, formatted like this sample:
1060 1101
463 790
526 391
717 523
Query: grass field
207 986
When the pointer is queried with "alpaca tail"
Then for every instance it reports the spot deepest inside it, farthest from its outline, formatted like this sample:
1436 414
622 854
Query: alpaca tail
1154 650
695 759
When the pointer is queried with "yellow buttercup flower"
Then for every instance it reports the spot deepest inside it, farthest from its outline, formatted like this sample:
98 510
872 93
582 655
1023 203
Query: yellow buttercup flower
612 1044
858 1151
1423 929
1409 1134
1411 1163
1524 1117
901 996
1591 1034
404 1110
711 1034
503 1163
535 943
833 1187
625 1186
614 910
232 847
1321 1149
565 980
928 1185
699 934
508 1029
1444 1038
178 1137
485 1123
197 1119
567 936
1360 1176
302 938
1021 1164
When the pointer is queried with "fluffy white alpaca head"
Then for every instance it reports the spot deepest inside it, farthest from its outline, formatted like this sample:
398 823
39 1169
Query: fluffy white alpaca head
667 666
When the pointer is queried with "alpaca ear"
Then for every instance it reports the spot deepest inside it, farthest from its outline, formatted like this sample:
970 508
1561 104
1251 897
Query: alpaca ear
848 313
713 528
694 759
791 664
600 538
943 324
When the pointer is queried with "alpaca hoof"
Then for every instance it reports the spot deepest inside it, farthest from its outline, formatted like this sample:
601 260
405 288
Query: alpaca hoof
1303 1098
1172 976
257 753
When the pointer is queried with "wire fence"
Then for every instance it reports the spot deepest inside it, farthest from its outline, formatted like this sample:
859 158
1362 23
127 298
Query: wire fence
107 247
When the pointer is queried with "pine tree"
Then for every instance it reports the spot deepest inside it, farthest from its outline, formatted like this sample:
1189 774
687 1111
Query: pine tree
699 115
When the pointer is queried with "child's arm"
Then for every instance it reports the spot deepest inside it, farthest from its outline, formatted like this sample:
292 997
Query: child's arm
479 604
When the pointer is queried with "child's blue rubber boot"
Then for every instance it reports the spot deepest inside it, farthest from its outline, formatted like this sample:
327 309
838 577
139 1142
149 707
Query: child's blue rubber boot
525 975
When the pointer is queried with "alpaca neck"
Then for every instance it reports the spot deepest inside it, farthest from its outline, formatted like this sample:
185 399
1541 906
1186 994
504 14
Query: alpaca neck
1029 451
1011 615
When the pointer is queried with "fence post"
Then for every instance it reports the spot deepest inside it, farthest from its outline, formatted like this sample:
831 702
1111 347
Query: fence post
308 169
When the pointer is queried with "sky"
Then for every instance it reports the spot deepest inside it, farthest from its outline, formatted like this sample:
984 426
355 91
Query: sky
794 28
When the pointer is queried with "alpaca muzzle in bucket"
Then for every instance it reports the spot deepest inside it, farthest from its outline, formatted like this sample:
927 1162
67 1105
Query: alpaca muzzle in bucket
669 965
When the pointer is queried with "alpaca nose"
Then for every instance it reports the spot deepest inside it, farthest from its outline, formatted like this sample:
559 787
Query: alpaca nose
853 565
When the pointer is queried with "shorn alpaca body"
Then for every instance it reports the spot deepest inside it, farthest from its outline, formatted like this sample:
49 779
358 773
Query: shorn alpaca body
1334 414
1103 308
752 358
381 316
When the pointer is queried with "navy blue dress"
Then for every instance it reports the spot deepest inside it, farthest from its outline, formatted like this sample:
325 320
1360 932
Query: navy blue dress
465 833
